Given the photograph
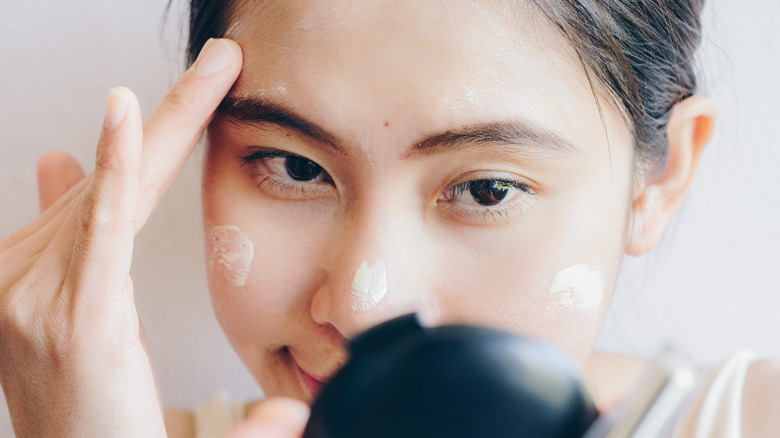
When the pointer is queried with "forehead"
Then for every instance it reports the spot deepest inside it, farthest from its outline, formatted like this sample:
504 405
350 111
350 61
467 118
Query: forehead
422 64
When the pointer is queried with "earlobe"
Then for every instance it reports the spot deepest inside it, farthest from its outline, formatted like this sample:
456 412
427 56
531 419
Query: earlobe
658 198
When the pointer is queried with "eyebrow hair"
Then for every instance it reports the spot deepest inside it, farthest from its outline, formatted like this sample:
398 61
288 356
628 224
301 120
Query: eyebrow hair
254 111
258 111
515 132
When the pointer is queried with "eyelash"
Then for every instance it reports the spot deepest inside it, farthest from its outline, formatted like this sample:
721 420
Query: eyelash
259 172
266 180
486 214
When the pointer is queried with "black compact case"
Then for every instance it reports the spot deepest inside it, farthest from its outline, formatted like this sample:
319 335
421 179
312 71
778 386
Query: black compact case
406 380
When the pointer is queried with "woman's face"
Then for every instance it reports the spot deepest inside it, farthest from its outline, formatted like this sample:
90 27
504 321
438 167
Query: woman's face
379 158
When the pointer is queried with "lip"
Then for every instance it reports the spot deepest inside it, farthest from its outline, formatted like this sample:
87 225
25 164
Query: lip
313 384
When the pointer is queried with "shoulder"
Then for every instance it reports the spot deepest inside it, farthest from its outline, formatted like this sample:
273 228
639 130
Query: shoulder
761 400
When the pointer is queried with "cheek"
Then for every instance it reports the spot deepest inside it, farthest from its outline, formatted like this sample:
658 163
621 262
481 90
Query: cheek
532 297
248 245
577 300
536 298
578 288
550 276
229 253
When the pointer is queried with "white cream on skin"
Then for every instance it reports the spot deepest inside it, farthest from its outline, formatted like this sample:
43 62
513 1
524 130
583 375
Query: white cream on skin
579 288
232 250
369 285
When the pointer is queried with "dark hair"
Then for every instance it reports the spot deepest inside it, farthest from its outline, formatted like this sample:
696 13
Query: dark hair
640 51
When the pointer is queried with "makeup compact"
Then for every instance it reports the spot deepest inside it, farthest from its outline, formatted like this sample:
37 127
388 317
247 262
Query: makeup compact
406 380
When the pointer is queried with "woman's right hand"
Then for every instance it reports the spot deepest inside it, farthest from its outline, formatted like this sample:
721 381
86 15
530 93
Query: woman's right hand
72 362
278 417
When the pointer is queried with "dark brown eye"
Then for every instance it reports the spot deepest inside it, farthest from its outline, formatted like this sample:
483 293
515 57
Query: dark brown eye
489 192
301 169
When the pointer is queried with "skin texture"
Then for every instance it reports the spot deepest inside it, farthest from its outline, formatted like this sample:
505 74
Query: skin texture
346 69
378 78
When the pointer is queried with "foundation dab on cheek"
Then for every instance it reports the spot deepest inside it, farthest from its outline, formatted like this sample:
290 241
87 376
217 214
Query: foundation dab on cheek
578 288
231 251
369 285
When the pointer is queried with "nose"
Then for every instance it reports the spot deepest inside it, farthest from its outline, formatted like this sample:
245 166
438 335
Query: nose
375 271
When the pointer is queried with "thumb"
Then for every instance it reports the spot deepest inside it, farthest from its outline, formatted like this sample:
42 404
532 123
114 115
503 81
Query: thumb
278 417
57 173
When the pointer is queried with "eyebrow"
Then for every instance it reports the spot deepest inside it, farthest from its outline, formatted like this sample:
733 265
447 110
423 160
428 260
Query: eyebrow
526 135
254 111
523 134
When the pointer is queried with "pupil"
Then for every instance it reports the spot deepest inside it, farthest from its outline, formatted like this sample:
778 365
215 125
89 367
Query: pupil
489 192
301 169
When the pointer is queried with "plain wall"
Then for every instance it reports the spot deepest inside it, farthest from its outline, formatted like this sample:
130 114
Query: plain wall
710 288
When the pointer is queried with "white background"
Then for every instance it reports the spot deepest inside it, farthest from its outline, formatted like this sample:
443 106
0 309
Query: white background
710 288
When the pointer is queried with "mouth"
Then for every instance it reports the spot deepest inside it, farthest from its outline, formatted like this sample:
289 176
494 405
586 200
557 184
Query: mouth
313 385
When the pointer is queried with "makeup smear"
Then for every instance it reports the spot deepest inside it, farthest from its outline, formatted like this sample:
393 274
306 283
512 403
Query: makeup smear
369 285
232 250
578 288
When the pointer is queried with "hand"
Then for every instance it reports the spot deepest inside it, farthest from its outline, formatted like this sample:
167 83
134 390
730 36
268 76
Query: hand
72 362
278 417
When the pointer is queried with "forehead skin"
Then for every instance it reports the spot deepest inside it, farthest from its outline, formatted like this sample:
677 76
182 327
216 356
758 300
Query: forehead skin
424 66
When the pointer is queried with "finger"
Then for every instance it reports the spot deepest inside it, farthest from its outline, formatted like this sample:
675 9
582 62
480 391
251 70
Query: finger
174 129
278 417
46 224
103 246
57 173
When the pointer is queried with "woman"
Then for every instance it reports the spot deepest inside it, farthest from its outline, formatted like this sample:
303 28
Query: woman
477 162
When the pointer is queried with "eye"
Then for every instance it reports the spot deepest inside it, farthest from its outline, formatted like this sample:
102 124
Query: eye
485 199
287 176
299 168
485 192
489 192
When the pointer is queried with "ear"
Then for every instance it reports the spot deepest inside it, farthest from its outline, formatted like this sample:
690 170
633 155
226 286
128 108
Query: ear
656 200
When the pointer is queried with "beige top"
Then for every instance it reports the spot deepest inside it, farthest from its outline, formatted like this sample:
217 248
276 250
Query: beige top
717 410
715 413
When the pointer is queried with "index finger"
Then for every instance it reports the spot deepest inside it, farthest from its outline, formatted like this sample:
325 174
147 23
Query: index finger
174 129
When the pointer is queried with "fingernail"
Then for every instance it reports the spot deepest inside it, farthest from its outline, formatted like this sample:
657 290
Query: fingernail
214 57
116 107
